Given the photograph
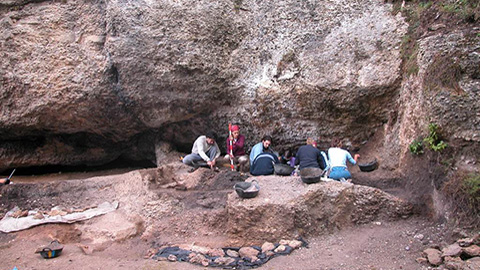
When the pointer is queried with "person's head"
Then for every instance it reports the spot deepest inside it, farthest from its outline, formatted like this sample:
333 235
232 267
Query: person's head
336 142
235 131
267 141
211 137
311 141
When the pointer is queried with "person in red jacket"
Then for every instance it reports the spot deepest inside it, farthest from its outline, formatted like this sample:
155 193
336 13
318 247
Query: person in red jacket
236 145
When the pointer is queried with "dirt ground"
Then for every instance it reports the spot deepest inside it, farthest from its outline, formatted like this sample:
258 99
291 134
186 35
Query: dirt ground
380 245
375 246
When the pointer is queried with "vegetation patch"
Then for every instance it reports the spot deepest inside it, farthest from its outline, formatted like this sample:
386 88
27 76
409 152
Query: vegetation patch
464 193
432 141
421 14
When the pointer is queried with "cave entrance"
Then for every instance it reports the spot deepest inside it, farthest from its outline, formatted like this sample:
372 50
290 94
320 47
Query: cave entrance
119 165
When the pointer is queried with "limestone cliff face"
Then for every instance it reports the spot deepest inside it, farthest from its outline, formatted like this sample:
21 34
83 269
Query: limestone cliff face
84 82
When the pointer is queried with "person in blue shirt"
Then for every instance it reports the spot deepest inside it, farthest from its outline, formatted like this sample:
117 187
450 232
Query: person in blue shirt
338 161
262 147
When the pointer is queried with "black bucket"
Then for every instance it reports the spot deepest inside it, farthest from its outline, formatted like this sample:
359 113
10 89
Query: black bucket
247 190
311 175
368 167
283 169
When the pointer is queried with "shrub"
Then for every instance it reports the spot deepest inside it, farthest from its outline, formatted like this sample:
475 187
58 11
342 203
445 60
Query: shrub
433 139
416 147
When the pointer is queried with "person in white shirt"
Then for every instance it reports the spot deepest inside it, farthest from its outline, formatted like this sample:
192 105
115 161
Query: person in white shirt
338 161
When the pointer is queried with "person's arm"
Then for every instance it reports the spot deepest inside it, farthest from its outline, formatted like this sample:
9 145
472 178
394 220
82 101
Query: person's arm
239 143
321 162
217 150
352 160
356 157
256 150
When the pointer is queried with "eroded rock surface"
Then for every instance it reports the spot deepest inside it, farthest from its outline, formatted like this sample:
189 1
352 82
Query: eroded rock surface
286 207
84 83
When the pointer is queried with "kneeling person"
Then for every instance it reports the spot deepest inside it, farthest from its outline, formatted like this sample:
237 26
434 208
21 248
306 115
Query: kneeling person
204 149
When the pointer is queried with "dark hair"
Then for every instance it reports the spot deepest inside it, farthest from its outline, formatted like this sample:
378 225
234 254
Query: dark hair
211 135
267 138
336 142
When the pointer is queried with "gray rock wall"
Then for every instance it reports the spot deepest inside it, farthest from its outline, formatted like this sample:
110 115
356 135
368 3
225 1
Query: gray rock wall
84 82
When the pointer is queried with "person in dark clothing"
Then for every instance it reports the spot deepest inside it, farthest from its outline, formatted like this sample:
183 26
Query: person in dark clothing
309 156
263 164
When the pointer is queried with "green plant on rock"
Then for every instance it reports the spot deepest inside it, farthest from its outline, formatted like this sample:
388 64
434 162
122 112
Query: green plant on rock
416 147
433 140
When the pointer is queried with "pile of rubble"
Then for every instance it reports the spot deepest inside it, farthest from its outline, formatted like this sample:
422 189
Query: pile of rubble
229 257
464 254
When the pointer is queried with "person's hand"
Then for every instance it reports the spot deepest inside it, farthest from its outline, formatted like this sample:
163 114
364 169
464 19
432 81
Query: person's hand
357 156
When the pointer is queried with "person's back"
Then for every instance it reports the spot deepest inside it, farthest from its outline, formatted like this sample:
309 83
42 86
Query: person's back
263 164
338 157
309 157
338 161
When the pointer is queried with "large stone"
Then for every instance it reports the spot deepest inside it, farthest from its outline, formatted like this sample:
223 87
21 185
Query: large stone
248 252
472 251
433 256
286 208
453 250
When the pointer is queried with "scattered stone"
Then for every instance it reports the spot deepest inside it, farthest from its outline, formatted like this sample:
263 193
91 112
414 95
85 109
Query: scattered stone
224 260
433 256
38 215
232 253
150 253
295 244
454 263
267 246
216 252
472 251
473 263
19 213
419 236
452 250
465 242
248 252
269 253
283 242
198 259
280 248
199 249
422 260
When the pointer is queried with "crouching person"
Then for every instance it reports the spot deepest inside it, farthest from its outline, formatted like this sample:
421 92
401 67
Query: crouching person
205 151
263 164
236 146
